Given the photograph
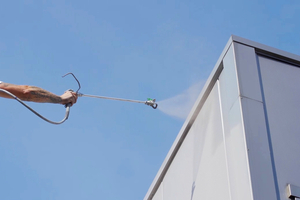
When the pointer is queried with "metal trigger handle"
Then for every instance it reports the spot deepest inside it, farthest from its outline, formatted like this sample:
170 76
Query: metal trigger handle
69 104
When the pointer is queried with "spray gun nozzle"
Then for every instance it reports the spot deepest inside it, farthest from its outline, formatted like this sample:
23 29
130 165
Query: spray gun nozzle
151 102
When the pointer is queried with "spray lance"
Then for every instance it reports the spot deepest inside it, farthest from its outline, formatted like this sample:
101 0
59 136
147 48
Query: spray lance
149 102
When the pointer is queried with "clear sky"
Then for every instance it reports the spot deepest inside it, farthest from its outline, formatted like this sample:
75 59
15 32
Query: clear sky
128 49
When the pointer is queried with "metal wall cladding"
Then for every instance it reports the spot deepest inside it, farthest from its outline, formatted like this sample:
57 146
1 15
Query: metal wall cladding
281 91
241 140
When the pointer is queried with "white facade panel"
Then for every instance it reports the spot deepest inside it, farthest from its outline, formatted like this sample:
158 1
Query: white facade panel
260 163
282 96
235 144
248 76
210 166
228 80
178 182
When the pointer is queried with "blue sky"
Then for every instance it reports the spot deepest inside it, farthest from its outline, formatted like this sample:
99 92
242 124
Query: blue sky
128 49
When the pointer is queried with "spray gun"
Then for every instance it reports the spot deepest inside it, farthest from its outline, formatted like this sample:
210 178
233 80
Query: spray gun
149 102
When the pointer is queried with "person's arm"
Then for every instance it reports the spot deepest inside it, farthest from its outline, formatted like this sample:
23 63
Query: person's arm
36 94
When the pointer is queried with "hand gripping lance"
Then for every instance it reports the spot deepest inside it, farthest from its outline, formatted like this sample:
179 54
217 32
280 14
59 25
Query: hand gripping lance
149 102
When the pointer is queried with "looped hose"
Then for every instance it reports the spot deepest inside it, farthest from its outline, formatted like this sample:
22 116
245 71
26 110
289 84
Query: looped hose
47 120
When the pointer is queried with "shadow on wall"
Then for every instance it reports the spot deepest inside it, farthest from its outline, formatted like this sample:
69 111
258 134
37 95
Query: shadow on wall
180 105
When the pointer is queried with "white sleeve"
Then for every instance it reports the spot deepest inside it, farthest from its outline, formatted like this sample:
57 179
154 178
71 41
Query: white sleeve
0 82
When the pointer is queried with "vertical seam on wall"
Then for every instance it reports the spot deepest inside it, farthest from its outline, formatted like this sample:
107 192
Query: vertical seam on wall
268 130
223 133
242 120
